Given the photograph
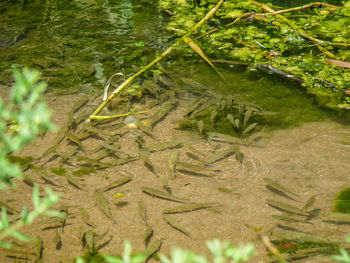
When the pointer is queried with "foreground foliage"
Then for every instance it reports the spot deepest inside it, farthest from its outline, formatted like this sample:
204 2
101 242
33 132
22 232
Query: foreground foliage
20 122
221 252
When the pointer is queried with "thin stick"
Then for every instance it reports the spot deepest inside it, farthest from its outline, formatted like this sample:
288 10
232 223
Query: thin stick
155 61
301 32
117 116
275 23
304 7
234 22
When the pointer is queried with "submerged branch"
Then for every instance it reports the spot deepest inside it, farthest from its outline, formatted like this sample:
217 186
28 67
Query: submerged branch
155 61
304 7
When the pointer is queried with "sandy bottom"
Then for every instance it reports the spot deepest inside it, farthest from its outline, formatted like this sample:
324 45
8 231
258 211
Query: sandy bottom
311 160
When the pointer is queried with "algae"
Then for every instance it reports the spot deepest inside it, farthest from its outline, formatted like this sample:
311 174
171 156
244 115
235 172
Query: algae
342 202
299 43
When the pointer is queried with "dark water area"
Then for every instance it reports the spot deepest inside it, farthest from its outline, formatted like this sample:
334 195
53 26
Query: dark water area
77 42
80 44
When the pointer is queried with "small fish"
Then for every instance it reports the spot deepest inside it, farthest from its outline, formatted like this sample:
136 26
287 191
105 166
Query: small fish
172 97
147 234
174 157
302 237
203 109
153 248
122 161
171 221
291 219
95 130
309 203
38 245
278 192
57 240
227 138
152 87
165 183
194 106
247 116
249 128
98 237
50 150
109 141
142 211
68 153
161 113
240 109
200 125
143 128
85 217
222 104
213 114
191 167
60 134
102 204
231 119
222 154
286 207
69 91
229 101
89 240
279 187
236 123
188 208
80 103
60 219
72 181
93 162
101 155
144 155
9 208
163 195
84 135
114 148
338 217
166 145
116 183
192 149
74 139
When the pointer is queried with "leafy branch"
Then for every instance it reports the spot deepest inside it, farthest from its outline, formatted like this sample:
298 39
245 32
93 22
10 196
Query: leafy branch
41 207
21 120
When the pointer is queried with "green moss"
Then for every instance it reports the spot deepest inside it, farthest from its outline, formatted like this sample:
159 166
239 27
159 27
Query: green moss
342 202
254 41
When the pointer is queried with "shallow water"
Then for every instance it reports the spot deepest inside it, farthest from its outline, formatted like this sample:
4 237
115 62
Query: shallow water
78 44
